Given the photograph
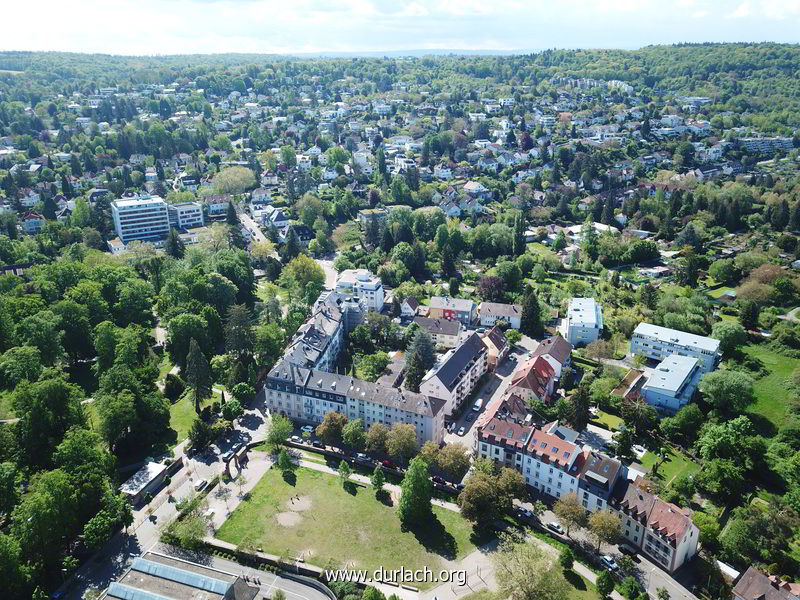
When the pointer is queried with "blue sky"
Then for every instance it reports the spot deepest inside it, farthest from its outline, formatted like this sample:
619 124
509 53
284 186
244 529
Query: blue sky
287 26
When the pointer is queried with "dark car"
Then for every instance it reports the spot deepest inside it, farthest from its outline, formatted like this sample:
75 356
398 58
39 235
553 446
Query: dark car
439 480
471 416
317 444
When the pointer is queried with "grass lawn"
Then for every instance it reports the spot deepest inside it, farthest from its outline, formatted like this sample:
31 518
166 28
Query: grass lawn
580 589
346 235
267 290
342 527
613 422
676 465
164 367
182 414
771 391
717 293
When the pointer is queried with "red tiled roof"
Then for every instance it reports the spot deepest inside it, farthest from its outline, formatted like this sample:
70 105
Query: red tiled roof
533 374
552 449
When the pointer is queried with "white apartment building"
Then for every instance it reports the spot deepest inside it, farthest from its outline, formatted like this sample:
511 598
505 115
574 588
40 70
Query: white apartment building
454 377
584 321
491 312
671 385
363 285
307 395
658 343
140 219
186 215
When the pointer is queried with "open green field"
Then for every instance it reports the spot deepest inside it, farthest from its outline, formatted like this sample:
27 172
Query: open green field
772 392
341 527
346 235
613 422
580 589
675 466
182 414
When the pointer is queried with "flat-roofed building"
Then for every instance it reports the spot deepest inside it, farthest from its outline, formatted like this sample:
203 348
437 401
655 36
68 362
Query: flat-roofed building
658 343
584 321
186 215
145 219
672 383
363 285
155 576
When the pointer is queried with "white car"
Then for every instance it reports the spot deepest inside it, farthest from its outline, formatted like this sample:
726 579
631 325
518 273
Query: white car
555 527
307 429
609 562
199 485
461 430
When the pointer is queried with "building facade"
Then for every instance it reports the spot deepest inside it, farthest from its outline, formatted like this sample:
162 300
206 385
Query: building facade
584 321
658 343
672 383
144 219
492 312
456 374
363 285
186 215
444 307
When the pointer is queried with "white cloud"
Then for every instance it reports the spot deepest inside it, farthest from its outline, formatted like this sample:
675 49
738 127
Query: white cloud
205 26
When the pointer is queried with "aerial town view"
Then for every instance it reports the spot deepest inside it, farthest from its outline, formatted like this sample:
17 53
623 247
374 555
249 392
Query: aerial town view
420 300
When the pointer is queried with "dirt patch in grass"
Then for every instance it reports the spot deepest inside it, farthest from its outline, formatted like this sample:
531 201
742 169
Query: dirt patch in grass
299 503
288 519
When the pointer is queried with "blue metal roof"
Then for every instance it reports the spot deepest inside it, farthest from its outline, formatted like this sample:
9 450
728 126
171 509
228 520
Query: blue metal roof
189 578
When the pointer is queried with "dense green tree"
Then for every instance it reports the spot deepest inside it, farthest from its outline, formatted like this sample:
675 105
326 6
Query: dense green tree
198 374
414 508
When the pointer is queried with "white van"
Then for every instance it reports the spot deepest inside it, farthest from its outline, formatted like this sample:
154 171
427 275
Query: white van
478 405
199 485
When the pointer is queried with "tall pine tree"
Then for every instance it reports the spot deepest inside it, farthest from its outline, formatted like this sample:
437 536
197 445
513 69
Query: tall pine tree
198 374
531 321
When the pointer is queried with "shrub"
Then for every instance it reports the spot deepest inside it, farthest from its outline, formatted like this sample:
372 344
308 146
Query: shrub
173 387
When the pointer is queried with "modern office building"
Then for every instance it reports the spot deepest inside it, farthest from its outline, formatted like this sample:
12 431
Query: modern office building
658 343
144 219
584 321
363 285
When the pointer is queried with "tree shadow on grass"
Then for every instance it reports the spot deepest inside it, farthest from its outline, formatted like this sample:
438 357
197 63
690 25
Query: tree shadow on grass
384 497
350 487
481 535
575 580
435 538
762 424
290 477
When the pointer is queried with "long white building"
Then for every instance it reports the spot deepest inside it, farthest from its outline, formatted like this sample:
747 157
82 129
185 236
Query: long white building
144 219
658 343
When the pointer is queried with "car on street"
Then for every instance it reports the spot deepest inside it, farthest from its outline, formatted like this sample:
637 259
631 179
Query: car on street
307 429
200 484
388 464
461 430
317 444
439 480
296 439
552 525
524 513
471 417
626 549
226 456
361 456
609 562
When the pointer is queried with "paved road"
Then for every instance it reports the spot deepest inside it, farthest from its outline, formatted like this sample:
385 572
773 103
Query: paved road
330 273
252 227
791 315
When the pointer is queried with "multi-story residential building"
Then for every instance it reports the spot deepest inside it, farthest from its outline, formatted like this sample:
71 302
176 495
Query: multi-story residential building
765 144
186 215
533 379
367 214
661 530
145 219
584 321
217 205
455 375
363 285
445 307
658 343
408 308
672 383
597 476
443 332
492 312
497 346
318 342
307 395
557 351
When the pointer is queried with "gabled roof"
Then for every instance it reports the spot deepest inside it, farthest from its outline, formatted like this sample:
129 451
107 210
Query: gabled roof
555 346
439 326
446 302
500 310
412 302
754 585
450 370
534 374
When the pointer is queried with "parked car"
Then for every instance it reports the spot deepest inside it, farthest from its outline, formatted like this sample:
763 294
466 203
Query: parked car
471 417
524 513
317 444
439 480
200 484
296 439
461 430
388 464
627 549
609 562
307 429
555 527
361 456
226 456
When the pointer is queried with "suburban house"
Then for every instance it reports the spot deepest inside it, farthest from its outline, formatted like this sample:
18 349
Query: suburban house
32 222
497 345
556 351
477 190
534 378
456 374
584 321
443 332
491 312
445 307
754 585
408 308
658 343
